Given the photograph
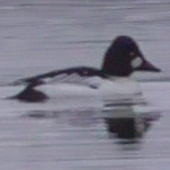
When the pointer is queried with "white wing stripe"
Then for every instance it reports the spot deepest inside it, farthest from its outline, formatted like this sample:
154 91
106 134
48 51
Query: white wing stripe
72 78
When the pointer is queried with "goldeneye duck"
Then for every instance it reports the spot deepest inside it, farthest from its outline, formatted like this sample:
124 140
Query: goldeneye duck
121 59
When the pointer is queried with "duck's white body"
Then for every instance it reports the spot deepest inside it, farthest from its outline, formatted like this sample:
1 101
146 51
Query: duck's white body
117 87
71 96
114 89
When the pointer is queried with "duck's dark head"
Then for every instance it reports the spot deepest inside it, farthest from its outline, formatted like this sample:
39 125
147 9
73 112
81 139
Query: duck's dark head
123 57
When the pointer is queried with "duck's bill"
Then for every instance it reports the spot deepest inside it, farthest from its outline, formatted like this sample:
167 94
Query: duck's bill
147 66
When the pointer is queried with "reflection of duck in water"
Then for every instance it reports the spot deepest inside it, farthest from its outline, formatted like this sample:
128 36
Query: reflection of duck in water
121 59
126 121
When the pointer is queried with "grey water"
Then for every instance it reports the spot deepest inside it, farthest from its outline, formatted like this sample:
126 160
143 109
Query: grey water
39 36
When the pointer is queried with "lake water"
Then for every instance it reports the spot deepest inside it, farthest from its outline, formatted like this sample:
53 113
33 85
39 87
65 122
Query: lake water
39 36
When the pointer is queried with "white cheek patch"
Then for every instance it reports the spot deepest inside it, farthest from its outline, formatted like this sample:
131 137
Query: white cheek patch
136 62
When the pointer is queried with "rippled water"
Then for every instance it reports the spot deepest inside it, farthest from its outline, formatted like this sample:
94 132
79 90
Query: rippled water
45 35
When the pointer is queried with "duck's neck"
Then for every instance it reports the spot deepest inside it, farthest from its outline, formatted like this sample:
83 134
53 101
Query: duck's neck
116 68
115 63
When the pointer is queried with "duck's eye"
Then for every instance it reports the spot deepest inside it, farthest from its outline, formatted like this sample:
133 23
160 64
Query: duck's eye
132 54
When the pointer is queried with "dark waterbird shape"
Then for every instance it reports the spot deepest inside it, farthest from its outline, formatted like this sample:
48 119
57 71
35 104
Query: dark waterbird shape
121 59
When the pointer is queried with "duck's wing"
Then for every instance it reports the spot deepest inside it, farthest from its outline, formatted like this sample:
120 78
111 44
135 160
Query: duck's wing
75 75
